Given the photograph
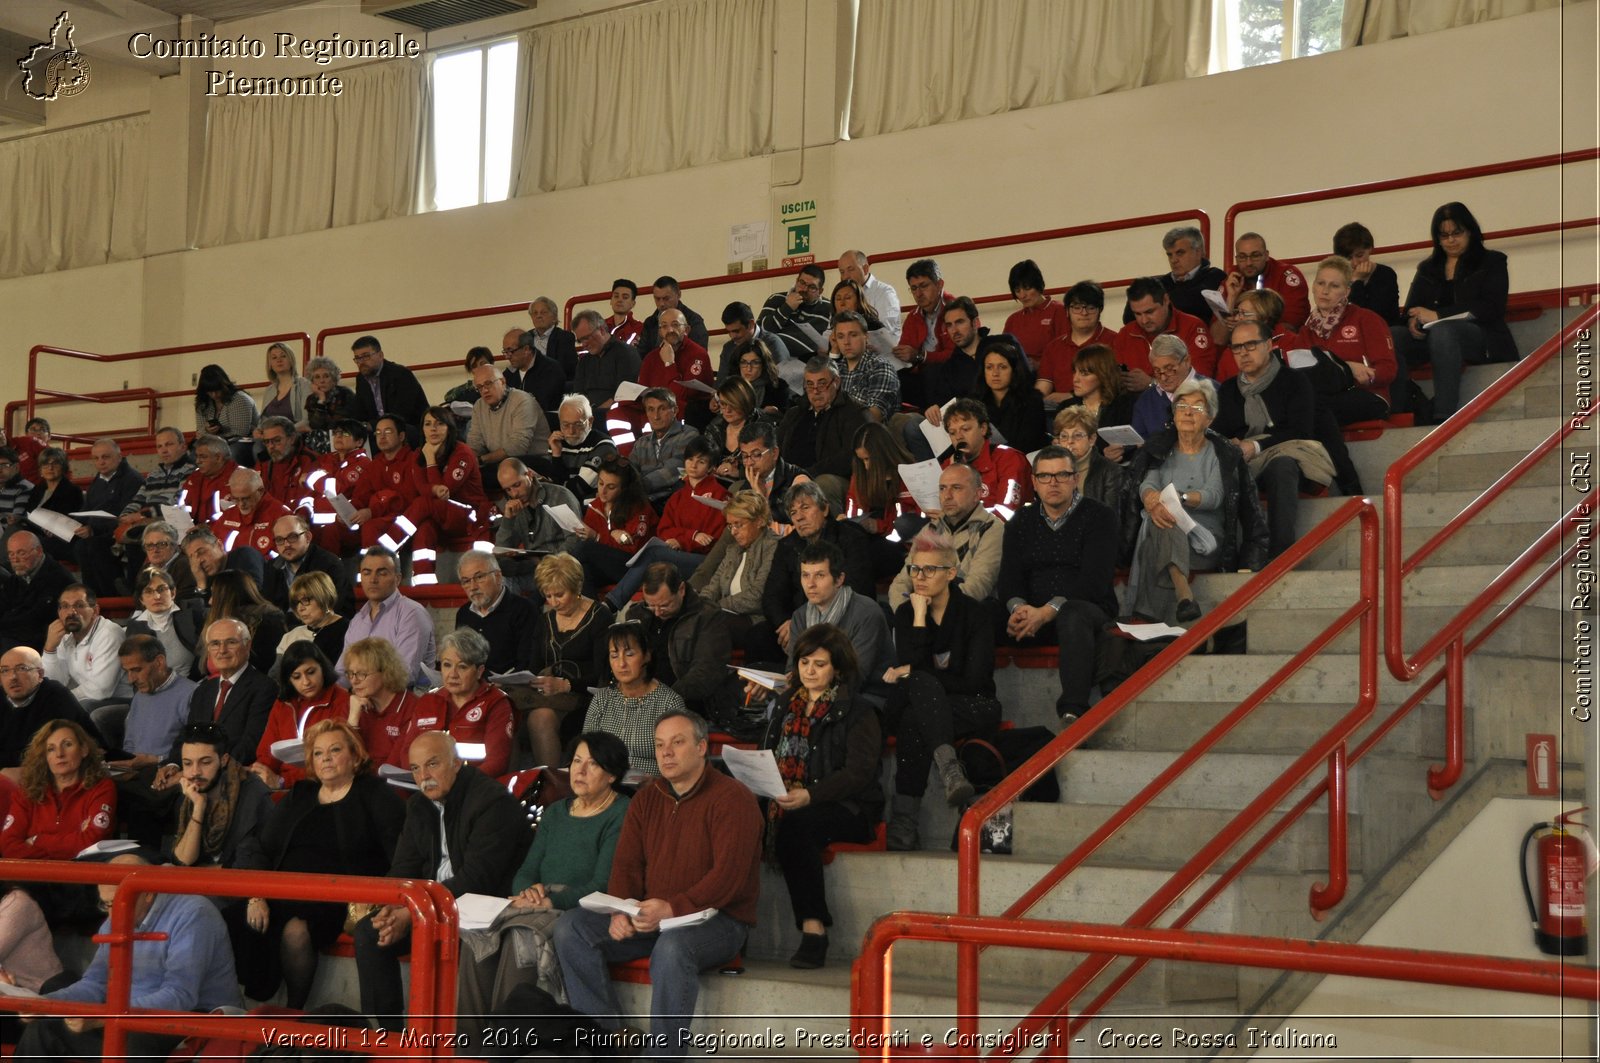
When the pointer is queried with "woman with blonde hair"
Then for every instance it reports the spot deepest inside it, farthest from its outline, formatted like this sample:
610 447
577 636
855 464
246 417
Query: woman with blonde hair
567 653
382 705
313 597
734 573
286 390
68 801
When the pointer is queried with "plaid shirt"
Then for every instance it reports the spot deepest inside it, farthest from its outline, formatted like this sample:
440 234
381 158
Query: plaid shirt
871 383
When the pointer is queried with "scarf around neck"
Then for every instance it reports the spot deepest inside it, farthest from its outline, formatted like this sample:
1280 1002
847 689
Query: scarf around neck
1323 322
1256 417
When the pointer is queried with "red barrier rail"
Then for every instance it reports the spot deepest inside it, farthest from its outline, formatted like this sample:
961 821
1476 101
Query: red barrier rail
1465 970
419 319
1328 750
434 945
1450 640
1464 173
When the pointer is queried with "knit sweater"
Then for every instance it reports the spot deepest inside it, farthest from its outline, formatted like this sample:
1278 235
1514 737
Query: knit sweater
1075 562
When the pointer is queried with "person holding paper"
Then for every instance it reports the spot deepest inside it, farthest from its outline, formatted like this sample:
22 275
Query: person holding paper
1359 338
1209 483
734 573
1455 310
570 858
631 706
450 501
975 532
1077 429
1083 302
828 746
55 493
691 841
603 362
566 651
688 529
341 820
475 710
735 406
942 686
113 487
307 695
677 362
385 487
1096 385
1255 270
616 525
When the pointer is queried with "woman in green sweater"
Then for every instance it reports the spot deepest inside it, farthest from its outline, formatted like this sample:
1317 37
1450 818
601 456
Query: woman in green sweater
570 858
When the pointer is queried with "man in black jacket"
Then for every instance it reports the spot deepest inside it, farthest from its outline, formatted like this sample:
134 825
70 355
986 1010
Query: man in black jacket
603 362
689 639
387 387
462 829
110 491
1265 405
812 517
668 296
539 375
297 555
549 339
819 434
1057 562
28 593
31 701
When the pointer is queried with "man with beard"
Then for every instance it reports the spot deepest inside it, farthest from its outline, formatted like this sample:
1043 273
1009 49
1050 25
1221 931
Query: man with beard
80 650
297 555
577 448
676 363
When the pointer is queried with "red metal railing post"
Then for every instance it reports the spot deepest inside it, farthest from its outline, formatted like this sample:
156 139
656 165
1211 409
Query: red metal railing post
1443 776
1325 895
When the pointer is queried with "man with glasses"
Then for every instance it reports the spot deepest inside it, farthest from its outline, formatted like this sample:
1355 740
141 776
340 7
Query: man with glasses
1056 570
32 700
975 532
29 591
603 362
739 321
543 379
796 321
1265 406
819 434
577 447
160 547
506 422
249 521
1169 368
765 471
524 526
205 490
502 617
297 555
689 638
658 453
80 650
386 387
1253 270
1154 315
290 469
682 366
113 487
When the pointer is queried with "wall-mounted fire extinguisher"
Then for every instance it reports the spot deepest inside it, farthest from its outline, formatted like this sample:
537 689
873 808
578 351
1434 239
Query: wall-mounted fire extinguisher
1566 858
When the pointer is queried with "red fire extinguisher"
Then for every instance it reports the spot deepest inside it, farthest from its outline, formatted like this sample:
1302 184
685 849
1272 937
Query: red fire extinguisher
1567 857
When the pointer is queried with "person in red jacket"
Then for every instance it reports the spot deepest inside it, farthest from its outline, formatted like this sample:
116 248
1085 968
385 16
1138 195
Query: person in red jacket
1040 320
289 466
307 695
474 710
675 364
205 491
450 502
338 472
385 487
690 524
1084 302
617 523
1359 337
68 801
1007 480
1153 314
249 521
1255 270
388 714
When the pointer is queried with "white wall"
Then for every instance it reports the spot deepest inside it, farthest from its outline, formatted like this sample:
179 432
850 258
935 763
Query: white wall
1478 94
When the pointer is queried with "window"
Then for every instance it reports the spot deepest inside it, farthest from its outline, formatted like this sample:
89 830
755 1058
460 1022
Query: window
1269 31
473 103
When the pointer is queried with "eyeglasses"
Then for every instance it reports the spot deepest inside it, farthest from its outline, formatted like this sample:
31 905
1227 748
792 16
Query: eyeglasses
157 544
1250 345
513 350
749 363
928 570
1166 368
356 677
1186 407
1082 308
17 669
818 385
291 537
1452 234
747 456
74 607
573 426
487 386
468 581
304 599
1072 437
579 337
1053 477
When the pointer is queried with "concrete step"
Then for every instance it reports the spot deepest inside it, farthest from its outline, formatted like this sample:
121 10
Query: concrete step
1500 532
1472 459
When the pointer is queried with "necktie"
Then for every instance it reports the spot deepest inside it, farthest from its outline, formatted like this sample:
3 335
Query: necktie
222 696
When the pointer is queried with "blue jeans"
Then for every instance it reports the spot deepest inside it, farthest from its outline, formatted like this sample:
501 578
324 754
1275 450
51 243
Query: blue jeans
633 579
1449 346
584 947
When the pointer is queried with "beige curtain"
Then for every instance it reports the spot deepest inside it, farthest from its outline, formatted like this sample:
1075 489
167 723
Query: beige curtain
75 197
1375 21
645 90
919 63
278 165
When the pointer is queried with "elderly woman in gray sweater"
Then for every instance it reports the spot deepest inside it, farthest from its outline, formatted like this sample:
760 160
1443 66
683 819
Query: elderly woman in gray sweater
735 571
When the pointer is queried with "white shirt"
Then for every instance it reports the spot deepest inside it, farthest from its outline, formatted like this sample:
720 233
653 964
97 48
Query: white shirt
90 666
882 297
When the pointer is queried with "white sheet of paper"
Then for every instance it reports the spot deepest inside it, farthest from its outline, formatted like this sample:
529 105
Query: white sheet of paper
568 520
770 680
627 391
1465 315
606 903
1300 359
1121 435
92 513
1169 498
180 519
343 507
471 750
922 480
461 409
1146 632
757 769
515 679
290 750
695 385
477 910
936 436
57 524
653 541
708 500
1215 300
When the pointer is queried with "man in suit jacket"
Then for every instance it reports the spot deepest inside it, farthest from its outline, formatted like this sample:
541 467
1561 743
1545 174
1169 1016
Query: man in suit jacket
297 555
387 387
462 829
550 340
539 375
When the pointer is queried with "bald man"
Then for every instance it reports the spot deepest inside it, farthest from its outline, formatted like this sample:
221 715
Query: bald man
31 701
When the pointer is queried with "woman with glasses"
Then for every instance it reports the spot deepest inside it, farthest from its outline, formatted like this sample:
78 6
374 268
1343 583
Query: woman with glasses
630 706
734 573
328 403
58 494
942 689
340 820
381 700
828 745
312 597
1455 311
1213 487
758 368
735 403
468 706
1097 387
178 625
68 801
1084 303
307 694
1099 478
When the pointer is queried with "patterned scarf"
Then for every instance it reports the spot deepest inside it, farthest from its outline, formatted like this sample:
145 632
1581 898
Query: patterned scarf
1323 322
220 805
793 748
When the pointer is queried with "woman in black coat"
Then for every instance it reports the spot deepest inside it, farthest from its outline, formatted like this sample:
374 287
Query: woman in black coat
1461 277
56 493
1005 386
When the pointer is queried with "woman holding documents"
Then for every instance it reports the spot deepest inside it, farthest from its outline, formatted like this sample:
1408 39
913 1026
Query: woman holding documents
1456 308
307 695
1196 497
570 858
566 653
1355 387
342 820
734 574
827 744
54 493
1097 386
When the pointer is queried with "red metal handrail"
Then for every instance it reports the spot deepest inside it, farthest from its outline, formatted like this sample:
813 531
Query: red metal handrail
1329 749
1465 970
1200 218
419 319
1463 173
434 948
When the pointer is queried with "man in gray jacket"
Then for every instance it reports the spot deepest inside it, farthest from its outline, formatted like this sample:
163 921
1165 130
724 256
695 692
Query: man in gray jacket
976 532
829 601
506 422
525 526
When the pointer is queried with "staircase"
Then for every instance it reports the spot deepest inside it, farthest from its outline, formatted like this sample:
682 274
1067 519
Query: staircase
1388 799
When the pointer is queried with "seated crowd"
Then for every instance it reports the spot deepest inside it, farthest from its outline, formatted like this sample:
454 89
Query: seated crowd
860 507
